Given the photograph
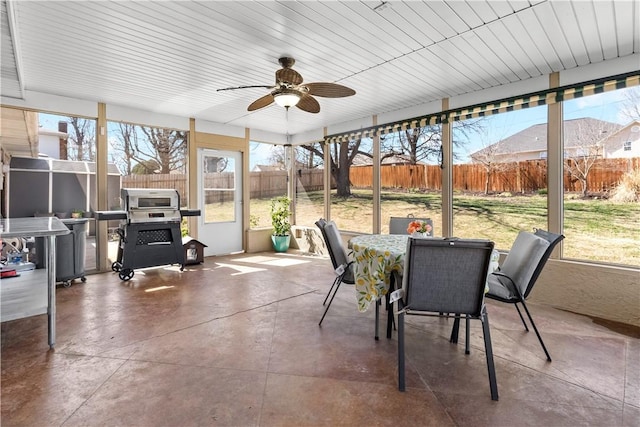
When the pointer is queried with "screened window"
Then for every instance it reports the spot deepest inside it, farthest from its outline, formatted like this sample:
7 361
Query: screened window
601 210
267 179
499 179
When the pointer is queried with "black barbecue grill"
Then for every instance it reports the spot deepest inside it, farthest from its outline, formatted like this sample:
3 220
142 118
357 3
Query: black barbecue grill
149 229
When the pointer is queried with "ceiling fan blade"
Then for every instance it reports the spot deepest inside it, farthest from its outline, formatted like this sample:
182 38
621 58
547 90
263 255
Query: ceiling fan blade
309 104
260 102
288 75
329 90
243 87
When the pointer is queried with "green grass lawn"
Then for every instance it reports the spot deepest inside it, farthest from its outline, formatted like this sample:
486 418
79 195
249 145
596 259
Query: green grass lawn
595 230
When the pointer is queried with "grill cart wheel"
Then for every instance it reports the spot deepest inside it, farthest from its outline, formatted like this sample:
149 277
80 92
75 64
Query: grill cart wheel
116 266
126 274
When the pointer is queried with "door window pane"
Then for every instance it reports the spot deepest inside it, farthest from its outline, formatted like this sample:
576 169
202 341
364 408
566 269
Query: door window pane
219 189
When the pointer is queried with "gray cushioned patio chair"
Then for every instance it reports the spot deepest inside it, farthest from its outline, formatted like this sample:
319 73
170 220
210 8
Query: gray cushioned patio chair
513 282
445 276
341 264
399 224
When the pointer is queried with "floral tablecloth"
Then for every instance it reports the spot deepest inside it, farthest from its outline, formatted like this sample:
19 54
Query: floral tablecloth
375 257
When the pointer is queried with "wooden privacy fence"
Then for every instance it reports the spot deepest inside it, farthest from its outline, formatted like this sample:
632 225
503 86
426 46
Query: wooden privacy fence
516 177
261 184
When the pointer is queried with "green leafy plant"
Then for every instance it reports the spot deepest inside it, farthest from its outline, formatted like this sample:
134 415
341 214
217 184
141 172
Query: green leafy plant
254 220
280 214
184 227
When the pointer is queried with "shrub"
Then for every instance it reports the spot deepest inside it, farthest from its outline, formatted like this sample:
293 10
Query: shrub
280 213
254 220
628 189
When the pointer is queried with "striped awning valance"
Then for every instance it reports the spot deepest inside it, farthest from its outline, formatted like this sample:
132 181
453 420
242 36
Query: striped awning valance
548 96
387 128
535 99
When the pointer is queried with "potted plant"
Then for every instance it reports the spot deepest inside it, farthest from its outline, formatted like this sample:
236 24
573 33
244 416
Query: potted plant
280 214
77 213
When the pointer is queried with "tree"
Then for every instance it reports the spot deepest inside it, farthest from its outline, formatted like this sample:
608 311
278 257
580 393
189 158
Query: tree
488 158
145 167
423 144
585 148
166 146
125 139
158 150
341 158
81 133
278 157
419 144
631 104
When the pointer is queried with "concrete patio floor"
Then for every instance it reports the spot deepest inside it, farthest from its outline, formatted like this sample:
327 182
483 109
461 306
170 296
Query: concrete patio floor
236 342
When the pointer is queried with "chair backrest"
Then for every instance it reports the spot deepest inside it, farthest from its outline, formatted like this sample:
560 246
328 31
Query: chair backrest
527 258
446 275
399 224
334 243
321 223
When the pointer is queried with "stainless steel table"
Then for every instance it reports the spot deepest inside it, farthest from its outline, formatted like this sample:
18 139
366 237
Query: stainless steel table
48 228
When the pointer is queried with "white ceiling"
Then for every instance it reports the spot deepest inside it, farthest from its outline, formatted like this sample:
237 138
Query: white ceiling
170 56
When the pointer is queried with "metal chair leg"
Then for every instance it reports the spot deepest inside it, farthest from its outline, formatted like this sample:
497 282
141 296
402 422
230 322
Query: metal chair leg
331 300
454 331
401 384
493 385
376 336
536 331
466 337
521 318
330 289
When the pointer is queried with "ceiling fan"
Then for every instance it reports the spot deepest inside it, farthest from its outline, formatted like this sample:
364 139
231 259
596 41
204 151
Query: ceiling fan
289 90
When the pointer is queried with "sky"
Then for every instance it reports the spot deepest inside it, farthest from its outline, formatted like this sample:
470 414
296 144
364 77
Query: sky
606 106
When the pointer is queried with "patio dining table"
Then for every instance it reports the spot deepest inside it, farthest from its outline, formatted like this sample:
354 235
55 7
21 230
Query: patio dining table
376 257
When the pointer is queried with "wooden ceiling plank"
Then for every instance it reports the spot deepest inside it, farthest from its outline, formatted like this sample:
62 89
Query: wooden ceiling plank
571 30
512 68
484 10
550 61
627 16
606 23
587 22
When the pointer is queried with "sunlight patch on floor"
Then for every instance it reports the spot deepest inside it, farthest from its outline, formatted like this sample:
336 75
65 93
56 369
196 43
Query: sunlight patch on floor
271 261
241 269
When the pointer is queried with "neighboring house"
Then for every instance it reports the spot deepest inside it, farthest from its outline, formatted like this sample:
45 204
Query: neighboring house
580 136
267 168
624 143
50 142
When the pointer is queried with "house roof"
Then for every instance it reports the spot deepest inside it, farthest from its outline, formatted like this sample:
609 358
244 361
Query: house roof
534 138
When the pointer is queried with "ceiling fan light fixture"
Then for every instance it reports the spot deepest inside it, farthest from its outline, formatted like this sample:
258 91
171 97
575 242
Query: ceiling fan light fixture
286 98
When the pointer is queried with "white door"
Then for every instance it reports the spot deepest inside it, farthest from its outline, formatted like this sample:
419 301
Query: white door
220 201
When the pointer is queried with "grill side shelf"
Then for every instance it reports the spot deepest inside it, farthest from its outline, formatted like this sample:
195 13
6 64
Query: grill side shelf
190 212
110 215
